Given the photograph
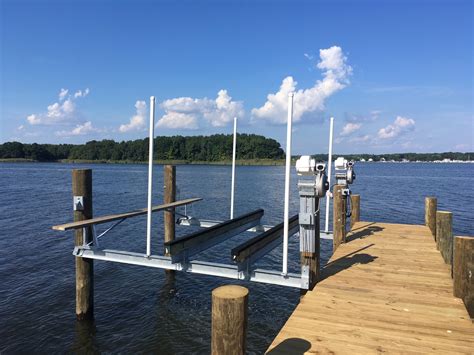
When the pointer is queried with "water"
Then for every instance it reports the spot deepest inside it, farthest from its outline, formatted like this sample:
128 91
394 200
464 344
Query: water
137 309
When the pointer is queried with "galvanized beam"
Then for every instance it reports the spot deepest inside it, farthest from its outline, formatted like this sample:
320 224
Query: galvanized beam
183 248
260 245
196 267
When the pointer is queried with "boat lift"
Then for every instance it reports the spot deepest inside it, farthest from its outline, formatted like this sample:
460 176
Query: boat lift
180 252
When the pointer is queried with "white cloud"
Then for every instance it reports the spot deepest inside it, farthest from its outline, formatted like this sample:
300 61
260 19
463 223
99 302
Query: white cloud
21 127
178 120
63 94
350 128
400 126
336 74
185 112
58 112
79 130
81 93
137 122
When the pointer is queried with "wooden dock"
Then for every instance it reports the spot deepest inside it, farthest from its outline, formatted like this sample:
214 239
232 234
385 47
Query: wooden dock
386 290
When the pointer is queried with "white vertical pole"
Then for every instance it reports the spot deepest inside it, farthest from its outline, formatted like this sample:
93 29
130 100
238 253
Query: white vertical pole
234 149
287 184
328 193
150 175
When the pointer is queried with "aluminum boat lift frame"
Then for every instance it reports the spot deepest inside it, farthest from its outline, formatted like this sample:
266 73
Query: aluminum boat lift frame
182 249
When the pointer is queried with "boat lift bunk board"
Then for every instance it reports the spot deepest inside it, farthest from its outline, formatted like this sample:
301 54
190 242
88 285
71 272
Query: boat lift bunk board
182 249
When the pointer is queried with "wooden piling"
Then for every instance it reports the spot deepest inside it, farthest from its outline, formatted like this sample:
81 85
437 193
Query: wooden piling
355 209
463 272
339 217
169 196
82 187
444 235
431 205
229 320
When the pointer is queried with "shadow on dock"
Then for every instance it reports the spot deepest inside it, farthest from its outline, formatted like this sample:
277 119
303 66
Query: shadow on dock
295 346
363 232
347 261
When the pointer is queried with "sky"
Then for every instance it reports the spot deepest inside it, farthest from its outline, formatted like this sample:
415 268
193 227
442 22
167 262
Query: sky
397 76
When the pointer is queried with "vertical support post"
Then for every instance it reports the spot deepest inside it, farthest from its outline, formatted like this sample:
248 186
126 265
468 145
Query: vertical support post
431 205
150 175
234 151
169 196
328 193
82 187
287 184
229 320
444 235
339 217
309 220
355 209
463 272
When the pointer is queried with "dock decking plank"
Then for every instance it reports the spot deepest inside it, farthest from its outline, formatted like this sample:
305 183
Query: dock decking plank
386 290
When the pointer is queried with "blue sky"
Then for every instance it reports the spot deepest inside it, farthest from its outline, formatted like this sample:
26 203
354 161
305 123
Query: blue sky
396 75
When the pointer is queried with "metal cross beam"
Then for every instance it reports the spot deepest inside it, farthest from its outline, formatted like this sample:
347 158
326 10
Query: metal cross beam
196 267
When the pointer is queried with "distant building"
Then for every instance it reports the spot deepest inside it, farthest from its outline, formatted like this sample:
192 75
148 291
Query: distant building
370 159
362 159
382 159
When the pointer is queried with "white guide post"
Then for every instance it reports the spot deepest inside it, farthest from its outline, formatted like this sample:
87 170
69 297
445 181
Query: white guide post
234 150
287 184
150 175
328 193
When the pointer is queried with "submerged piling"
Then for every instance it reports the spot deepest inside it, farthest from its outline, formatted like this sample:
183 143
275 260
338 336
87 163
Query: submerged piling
229 320
82 194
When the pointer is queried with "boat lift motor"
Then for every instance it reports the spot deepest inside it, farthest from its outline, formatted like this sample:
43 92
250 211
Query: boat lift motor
345 176
310 191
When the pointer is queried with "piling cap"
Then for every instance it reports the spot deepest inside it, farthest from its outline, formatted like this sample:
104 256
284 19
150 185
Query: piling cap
230 292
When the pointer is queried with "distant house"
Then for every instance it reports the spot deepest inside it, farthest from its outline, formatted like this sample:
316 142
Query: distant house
382 159
362 159
370 159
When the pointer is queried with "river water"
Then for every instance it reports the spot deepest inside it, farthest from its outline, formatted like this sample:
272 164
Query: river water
137 309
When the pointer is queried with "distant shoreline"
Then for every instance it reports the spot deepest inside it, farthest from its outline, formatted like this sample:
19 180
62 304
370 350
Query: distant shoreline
240 162
249 162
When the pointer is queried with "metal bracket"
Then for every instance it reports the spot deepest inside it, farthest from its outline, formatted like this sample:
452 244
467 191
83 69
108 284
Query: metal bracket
345 192
78 203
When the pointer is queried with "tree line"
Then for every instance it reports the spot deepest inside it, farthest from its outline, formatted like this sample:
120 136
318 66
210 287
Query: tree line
212 148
